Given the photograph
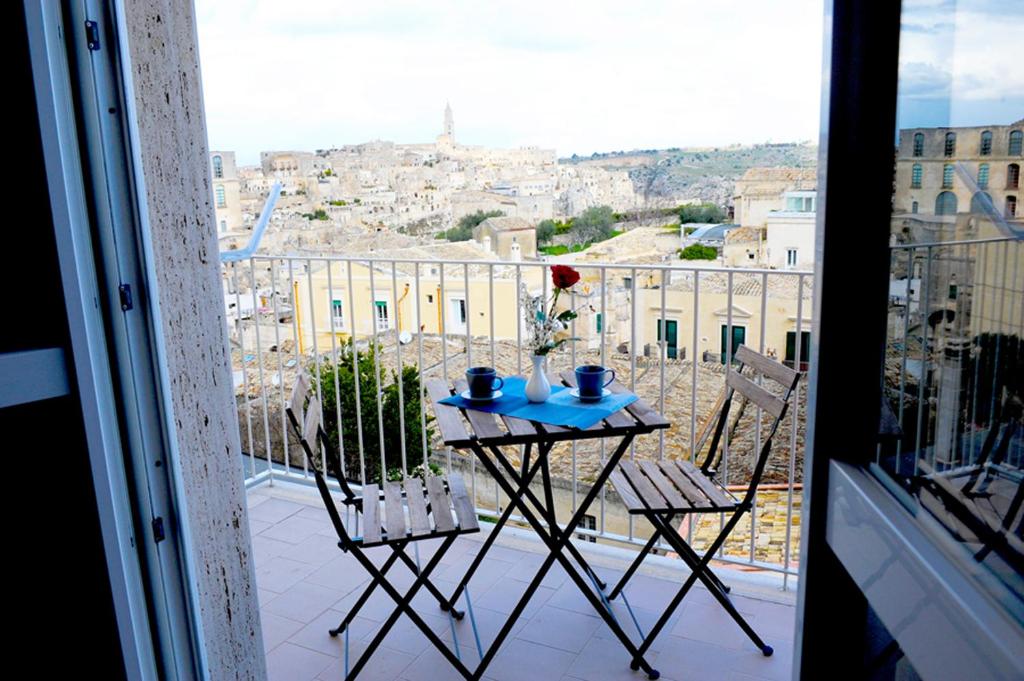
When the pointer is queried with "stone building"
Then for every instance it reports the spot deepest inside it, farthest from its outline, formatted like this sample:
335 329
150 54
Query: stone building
510 238
227 196
762 190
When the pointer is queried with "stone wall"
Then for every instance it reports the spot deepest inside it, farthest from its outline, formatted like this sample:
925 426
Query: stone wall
172 136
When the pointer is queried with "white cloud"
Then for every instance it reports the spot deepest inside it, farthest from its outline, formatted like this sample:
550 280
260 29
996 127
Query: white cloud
579 77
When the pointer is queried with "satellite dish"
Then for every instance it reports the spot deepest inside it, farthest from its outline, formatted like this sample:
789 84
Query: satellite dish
404 338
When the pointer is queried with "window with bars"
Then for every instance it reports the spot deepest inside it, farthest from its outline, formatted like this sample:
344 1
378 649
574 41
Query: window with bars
983 176
218 167
1011 206
950 147
986 143
947 176
915 176
919 144
1013 176
218 192
1016 142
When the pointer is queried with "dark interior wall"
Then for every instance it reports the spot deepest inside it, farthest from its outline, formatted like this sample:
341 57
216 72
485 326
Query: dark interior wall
63 617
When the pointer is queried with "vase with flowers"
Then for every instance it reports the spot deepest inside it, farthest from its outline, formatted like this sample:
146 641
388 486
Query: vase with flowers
547 328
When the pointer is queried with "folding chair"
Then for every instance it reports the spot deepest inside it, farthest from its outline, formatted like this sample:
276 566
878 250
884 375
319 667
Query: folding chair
662 490
430 504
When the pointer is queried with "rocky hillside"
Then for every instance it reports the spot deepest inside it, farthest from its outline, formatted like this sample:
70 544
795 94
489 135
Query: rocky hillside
667 176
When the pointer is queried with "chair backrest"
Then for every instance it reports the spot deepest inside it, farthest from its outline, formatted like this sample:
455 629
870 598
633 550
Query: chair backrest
294 410
758 396
310 437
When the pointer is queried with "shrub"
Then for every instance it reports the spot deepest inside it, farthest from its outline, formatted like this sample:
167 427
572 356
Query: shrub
371 433
698 252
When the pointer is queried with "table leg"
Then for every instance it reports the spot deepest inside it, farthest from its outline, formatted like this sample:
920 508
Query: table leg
556 542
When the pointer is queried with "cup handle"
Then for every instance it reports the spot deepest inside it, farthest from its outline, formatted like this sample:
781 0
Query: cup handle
609 381
501 382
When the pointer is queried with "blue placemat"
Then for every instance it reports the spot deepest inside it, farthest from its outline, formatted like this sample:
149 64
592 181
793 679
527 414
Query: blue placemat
561 409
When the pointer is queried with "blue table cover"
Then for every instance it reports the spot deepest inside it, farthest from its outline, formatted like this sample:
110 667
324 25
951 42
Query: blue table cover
561 409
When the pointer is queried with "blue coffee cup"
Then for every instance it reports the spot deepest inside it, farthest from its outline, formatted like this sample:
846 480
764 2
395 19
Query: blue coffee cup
590 379
483 381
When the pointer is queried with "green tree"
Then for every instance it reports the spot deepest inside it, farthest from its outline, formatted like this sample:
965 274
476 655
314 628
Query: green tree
594 224
698 252
390 411
701 212
545 231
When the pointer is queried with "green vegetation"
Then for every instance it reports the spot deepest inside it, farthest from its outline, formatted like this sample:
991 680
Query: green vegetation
463 230
328 172
698 252
318 214
338 202
594 224
701 212
371 435
562 249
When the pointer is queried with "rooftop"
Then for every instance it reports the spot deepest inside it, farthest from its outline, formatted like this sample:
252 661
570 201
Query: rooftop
306 586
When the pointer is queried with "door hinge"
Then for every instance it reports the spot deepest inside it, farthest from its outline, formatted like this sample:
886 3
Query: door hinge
92 35
158 530
125 291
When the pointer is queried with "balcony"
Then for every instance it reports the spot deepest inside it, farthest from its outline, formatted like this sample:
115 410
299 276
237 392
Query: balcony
306 586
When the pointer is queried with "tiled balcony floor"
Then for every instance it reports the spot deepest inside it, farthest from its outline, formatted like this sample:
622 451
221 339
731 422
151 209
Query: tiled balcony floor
306 585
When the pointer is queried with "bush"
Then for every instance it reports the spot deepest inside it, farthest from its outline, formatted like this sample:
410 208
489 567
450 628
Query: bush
701 212
463 230
698 252
545 231
371 434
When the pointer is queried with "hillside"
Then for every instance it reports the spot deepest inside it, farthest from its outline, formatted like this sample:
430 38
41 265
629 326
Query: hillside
707 174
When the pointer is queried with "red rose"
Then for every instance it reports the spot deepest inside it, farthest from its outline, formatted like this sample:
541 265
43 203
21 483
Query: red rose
563 276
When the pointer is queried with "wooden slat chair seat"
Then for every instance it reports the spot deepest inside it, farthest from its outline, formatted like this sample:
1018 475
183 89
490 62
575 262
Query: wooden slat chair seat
661 491
394 515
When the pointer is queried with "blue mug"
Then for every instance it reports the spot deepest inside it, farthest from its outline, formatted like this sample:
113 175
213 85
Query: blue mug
483 381
590 379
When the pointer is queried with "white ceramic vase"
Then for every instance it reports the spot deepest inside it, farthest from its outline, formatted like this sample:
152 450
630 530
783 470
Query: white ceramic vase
538 389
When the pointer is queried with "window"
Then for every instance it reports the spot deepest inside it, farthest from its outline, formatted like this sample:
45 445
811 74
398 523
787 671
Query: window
457 308
918 144
945 203
218 167
598 322
223 225
1011 206
983 176
986 143
947 176
589 522
337 319
1013 176
915 176
805 350
950 147
430 297
981 204
218 191
380 308
1016 141
627 283
739 337
913 207
790 257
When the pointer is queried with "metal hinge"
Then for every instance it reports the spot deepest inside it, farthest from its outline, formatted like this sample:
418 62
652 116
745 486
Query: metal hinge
158 530
125 291
92 35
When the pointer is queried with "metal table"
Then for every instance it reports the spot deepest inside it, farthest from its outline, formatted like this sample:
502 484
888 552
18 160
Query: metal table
485 434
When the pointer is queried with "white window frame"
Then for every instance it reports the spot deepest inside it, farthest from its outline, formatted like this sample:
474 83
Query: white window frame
791 258
337 320
383 322
457 325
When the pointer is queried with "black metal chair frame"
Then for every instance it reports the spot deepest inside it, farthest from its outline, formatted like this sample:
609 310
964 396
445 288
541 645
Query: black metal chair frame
312 430
662 518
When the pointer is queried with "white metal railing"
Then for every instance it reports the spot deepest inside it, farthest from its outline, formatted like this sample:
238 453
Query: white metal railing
645 312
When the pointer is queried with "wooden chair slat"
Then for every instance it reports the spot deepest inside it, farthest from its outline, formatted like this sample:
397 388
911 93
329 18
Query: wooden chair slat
755 393
312 424
625 491
648 494
465 510
419 522
664 485
485 425
371 515
439 506
769 367
713 491
394 512
690 492
449 420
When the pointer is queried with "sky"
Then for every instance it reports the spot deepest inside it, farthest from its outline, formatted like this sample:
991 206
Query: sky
578 77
